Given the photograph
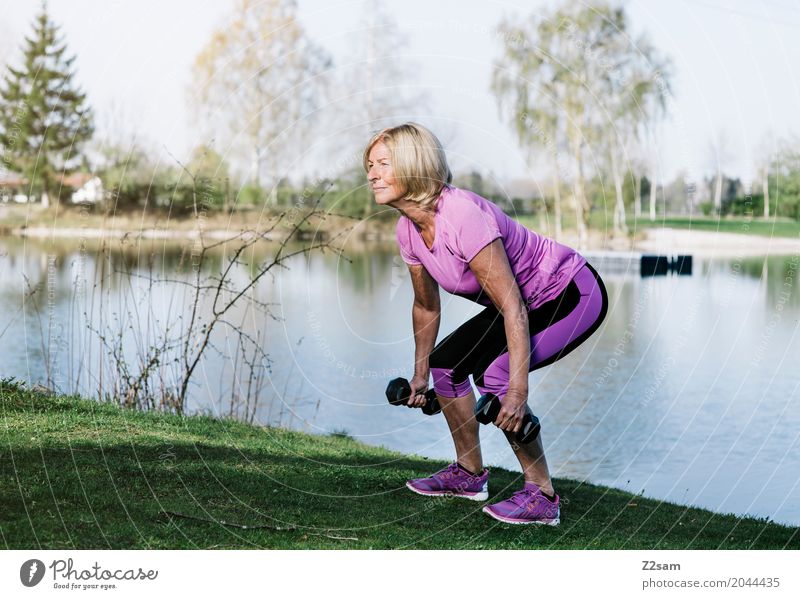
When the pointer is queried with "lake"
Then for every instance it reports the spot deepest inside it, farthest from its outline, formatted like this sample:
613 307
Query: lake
688 392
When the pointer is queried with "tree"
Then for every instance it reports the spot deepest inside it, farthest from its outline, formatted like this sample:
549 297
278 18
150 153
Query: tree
374 81
5 46
526 84
633 97
784 179
211 170
718 157
583 33
127 171
676 195
573 77
256 84
766 153
374 93
206 163
44 117
215 297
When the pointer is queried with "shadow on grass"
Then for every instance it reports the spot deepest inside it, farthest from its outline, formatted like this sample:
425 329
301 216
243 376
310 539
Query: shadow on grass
296 491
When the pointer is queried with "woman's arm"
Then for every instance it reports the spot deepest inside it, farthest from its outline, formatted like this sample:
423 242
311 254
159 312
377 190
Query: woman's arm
493 272
425 316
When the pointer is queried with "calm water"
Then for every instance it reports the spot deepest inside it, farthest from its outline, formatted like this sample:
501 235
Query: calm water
689 392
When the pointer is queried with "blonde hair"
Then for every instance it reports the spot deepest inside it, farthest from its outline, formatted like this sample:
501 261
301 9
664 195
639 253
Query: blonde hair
419 162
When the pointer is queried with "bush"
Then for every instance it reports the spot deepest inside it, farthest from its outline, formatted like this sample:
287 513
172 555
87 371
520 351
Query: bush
178 198
752 205
250 195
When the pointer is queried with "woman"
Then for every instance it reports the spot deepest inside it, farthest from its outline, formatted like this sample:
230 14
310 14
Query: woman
542 299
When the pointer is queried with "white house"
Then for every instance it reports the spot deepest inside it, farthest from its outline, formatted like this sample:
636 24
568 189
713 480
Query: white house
88 188
91 191
11 188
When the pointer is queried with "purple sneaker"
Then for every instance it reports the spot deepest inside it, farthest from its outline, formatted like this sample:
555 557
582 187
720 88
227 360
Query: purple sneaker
453 481
526 506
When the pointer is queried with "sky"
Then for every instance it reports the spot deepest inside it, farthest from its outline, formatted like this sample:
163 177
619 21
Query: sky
734 84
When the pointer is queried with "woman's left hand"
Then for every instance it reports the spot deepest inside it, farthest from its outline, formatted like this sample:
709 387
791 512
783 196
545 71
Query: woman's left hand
512 410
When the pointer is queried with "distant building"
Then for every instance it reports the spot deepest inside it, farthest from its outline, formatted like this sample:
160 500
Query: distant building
88 188
12 189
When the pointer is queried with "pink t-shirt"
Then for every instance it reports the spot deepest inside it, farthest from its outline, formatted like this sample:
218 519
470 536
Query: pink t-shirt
464 224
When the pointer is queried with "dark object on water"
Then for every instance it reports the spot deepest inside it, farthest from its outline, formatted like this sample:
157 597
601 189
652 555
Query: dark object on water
661 265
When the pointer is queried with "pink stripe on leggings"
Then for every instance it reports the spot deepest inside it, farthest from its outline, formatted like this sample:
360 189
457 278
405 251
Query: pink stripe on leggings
560 338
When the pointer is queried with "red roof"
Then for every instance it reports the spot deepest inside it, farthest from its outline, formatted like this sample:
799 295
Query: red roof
75 180
12 181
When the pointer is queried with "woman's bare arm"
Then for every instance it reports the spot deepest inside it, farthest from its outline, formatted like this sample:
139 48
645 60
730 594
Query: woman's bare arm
493 272
425 316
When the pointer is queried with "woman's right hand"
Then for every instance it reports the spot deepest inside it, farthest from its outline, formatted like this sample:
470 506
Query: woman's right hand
419 384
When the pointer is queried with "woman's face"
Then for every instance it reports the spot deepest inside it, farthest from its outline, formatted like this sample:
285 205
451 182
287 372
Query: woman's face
380 174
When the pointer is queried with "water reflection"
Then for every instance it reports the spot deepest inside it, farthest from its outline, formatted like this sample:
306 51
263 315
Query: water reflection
688 391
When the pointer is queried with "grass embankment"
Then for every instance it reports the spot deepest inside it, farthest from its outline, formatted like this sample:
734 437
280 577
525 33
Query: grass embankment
600 222
603 222
764 227
67 216
77 474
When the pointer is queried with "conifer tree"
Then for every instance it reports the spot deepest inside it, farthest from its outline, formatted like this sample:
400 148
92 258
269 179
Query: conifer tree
44 117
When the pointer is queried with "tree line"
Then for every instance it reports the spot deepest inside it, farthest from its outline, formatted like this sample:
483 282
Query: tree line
583 95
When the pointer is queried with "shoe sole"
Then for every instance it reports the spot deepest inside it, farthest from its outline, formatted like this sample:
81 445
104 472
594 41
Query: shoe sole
551 522
480 496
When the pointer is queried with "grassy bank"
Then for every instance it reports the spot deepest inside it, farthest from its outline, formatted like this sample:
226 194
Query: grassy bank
761 227
600 222
75 474
603 223
70 217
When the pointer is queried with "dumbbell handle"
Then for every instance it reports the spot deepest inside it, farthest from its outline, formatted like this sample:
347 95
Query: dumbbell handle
488 408
398 392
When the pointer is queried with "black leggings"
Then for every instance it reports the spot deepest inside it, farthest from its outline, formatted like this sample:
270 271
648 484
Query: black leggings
479 346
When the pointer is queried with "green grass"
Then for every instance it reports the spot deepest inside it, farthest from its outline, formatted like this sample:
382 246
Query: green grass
769 228
600 221
77 474
67 216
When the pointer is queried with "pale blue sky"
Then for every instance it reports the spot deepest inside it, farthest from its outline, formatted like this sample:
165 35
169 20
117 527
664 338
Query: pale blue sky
735 68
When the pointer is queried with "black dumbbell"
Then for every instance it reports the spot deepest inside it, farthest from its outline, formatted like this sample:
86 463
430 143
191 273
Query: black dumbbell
488 407
399 392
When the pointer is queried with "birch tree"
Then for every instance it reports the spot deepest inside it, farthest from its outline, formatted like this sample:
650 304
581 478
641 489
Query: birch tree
255 86
577 75
766 151
718 157
529 94
373 83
